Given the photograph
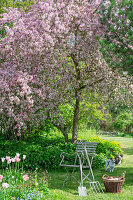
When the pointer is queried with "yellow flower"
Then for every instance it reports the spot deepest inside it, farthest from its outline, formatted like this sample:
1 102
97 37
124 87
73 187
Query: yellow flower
112 156
116 143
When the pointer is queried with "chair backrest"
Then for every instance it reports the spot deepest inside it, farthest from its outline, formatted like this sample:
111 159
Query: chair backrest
90 147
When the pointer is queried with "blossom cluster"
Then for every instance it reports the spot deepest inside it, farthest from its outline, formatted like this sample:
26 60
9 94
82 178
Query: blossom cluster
32 46
13 160
48 54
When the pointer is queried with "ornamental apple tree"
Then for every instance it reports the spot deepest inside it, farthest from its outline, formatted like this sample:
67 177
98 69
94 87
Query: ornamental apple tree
50 57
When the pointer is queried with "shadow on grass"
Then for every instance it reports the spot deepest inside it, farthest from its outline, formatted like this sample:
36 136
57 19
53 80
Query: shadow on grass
128 151
57 179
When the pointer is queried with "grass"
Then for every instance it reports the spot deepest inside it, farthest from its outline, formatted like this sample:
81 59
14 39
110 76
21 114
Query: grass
70 191
86 134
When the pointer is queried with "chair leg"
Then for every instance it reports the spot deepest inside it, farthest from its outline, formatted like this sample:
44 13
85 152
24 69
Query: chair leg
69 176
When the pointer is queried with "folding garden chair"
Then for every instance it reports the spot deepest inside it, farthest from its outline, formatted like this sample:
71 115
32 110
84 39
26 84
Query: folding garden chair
85 152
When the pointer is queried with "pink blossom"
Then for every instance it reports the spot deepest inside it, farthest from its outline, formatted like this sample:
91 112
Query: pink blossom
3 159
5 185
1 177
17 154
17 159
26 177
7 158
9 161
13 197
24 156
13 159
28 49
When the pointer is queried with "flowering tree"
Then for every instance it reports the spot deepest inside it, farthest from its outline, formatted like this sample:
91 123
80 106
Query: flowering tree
49 56
117 44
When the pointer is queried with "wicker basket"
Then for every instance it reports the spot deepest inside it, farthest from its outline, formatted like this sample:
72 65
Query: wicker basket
113 184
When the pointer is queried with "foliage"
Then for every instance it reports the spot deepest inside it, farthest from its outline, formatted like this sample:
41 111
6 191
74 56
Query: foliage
91 109
116 109
17 184
14 3
45 152
124 122
50 58
105 150
5 3
91 112
117 45
65 115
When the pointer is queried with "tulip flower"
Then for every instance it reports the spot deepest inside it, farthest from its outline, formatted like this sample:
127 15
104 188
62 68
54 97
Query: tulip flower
24 156
17 159
26 177
9 161
17 155
3 159
13 159
1 177
5 185
7 158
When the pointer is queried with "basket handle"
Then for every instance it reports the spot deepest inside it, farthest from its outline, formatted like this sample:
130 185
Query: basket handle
105 176
123 175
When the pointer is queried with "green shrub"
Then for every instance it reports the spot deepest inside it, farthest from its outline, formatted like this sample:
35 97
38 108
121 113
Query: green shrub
105 150
44 153
123 122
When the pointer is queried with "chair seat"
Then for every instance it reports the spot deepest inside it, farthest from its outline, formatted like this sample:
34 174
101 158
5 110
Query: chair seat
74 166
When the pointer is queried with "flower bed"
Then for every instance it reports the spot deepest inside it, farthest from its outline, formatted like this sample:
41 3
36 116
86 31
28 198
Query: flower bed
17 184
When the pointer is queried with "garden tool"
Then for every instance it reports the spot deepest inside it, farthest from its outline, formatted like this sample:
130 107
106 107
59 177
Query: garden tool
94 185
81 189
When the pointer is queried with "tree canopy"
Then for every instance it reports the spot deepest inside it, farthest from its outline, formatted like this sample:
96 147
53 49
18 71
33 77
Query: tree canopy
50 57
117 44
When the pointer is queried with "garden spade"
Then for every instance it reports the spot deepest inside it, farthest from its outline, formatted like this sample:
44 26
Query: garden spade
82 191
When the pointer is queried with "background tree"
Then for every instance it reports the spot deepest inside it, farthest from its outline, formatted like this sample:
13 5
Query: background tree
14 3
124 122
117 44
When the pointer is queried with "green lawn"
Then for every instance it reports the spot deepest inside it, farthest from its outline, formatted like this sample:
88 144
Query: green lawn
70 191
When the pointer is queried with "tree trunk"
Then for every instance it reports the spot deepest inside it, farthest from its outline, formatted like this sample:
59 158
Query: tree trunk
62 129
59 127
76 116
65 136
